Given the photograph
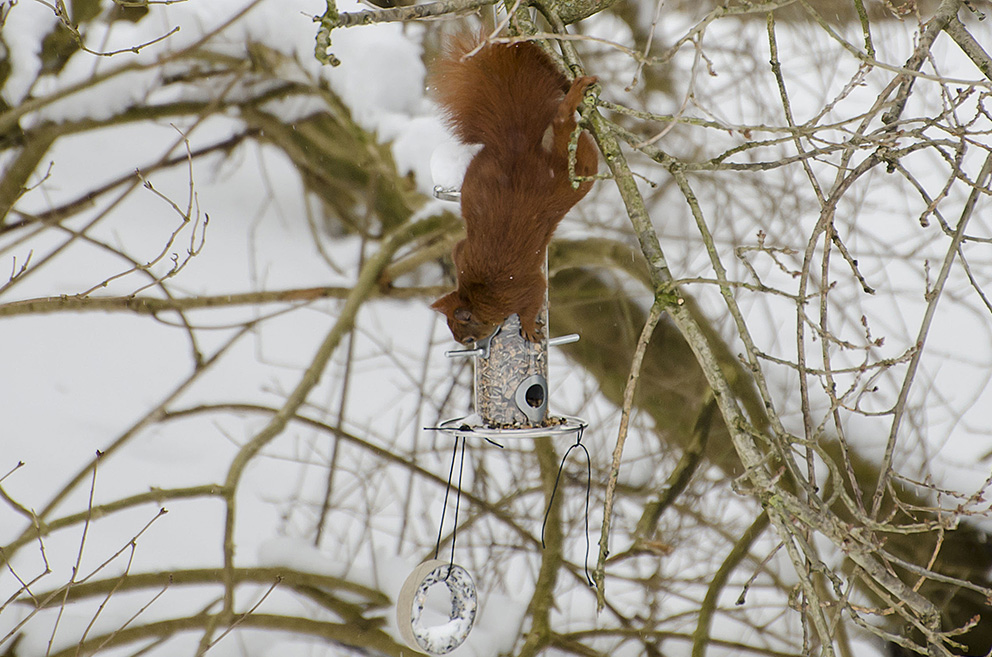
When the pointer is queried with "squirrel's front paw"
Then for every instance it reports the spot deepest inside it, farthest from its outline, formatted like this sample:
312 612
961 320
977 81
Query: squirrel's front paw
531 332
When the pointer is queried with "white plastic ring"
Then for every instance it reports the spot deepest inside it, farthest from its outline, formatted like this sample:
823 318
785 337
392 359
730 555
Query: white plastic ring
439 639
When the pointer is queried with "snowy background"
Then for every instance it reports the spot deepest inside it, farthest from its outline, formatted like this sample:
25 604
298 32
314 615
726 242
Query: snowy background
353 489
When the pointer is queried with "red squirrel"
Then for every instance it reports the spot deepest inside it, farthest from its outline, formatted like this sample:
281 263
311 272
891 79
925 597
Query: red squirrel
514 101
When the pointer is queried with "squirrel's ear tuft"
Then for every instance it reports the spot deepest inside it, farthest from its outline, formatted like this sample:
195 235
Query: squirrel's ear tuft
447 304
440 304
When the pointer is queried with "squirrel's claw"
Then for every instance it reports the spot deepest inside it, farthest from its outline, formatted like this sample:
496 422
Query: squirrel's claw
531 332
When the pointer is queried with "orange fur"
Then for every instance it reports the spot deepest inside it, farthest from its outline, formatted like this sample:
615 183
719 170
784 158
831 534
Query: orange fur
514 101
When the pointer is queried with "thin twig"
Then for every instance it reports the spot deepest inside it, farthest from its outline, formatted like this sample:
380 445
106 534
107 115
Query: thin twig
933 297
599 574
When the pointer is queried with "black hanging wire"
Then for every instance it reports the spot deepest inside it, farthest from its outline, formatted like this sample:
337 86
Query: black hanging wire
578 443
444 507
458 499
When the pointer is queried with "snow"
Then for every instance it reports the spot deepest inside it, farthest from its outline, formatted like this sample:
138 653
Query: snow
385 53
445 633
23 32
299 555
449 161
78 383
389 57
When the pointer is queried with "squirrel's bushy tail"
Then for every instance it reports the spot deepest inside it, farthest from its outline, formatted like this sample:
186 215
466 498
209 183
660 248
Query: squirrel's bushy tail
502 92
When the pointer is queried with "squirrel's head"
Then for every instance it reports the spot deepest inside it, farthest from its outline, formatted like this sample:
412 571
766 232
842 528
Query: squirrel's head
465 325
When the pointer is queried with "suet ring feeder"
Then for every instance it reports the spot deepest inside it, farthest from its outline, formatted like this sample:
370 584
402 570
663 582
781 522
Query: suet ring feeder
438 639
